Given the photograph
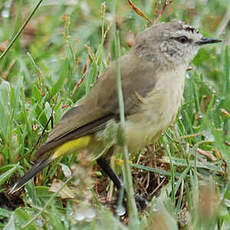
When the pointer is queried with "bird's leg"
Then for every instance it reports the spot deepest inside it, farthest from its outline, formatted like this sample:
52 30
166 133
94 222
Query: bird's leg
104 164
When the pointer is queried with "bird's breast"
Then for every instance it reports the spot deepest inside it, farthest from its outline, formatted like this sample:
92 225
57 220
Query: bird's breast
156 111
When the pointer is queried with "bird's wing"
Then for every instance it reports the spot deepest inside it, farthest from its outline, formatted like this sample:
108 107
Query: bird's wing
77 122
101 104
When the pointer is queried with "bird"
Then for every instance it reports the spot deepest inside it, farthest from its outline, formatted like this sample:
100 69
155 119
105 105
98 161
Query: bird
152 77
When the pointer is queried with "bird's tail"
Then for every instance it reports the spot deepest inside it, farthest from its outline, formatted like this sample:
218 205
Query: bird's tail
30 174
67 147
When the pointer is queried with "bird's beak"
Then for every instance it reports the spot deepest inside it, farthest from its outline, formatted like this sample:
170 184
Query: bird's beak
204 41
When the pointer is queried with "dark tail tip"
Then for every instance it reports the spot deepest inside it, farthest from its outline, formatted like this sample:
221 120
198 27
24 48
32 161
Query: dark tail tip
29 174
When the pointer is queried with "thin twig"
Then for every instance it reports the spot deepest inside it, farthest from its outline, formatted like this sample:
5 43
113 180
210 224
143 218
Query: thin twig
84 72
165 4
21 29
43 132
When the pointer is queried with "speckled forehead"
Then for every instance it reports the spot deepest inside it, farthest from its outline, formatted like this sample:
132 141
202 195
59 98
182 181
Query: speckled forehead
187 30
190 29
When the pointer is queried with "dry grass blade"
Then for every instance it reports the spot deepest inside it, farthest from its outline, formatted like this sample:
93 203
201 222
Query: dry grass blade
84 72
166 3
208 154
85 69
139 12
225 113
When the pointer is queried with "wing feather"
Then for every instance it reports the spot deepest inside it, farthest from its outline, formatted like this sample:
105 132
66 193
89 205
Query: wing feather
101 104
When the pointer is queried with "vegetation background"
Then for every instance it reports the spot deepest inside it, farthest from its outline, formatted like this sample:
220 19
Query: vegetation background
55 61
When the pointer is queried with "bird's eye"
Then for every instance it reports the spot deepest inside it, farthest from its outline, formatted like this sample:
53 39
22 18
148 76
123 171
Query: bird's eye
182 39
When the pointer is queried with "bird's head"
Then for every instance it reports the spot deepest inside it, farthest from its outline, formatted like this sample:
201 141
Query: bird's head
172 43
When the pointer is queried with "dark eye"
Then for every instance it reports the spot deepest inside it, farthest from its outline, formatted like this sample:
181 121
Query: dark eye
182 39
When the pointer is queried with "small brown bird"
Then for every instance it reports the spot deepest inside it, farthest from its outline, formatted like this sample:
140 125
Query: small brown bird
152 75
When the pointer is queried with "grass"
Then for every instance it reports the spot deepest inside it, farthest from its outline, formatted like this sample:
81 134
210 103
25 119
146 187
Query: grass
185 176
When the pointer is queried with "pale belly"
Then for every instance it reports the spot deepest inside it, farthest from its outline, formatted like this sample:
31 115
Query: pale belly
157 112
